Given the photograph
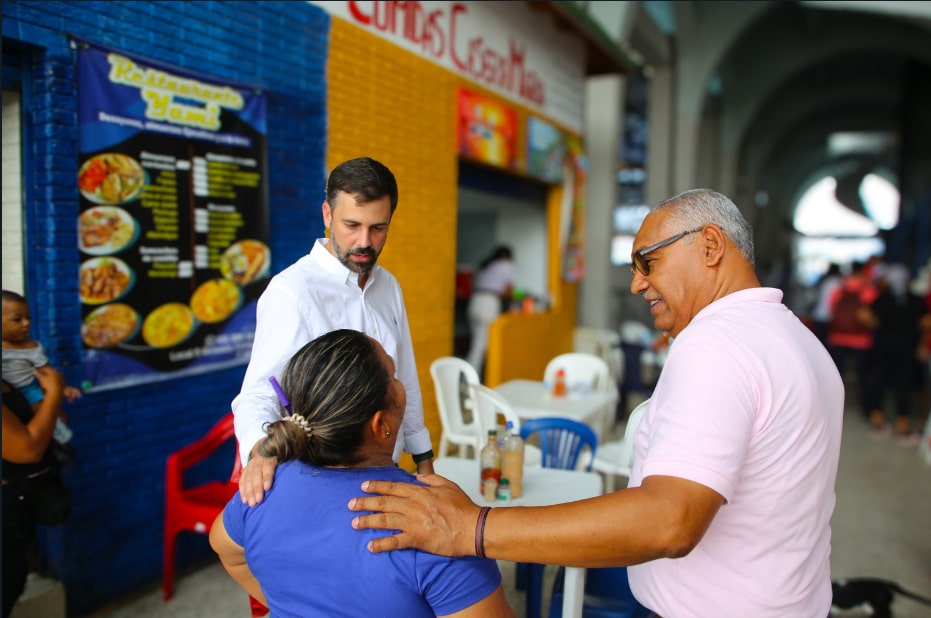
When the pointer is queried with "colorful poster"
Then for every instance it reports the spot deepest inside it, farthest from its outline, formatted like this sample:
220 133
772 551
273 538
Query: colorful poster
546 150
487 130
574 250
173 219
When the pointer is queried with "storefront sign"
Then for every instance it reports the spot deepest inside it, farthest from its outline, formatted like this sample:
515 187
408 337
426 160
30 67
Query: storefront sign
503 46
487 130
172 229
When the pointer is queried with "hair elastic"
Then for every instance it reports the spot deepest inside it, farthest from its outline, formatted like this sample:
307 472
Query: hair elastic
282 398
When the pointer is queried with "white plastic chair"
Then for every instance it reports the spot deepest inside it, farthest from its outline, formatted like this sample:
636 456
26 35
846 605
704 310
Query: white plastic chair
616 458
586 371
488 404
447 373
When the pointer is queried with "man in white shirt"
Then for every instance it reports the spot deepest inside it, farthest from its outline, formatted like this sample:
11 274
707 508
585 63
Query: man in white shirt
337 285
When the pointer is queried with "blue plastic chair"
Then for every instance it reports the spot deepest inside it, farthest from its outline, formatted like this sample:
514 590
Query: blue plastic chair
562 441
607 595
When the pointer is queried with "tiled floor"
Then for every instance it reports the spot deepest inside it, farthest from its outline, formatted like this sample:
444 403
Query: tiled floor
882 528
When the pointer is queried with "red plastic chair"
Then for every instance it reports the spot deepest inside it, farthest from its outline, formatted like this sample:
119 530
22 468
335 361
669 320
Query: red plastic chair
193 508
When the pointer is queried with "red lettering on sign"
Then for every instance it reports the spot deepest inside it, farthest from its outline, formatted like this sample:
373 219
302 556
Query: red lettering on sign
408 20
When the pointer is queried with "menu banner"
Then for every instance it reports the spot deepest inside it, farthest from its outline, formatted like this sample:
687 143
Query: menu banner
173 220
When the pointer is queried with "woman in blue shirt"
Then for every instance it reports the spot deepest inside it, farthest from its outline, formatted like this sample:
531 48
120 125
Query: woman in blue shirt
296 551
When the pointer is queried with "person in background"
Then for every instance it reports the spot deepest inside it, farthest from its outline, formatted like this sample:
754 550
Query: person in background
896 318
337 285
850 338
304 559
728 508
22 355
494 284
821 312
27 436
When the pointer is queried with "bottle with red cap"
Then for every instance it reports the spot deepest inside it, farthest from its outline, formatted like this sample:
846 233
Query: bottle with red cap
559 385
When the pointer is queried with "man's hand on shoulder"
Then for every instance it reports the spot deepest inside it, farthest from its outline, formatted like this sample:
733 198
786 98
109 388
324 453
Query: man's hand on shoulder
257 476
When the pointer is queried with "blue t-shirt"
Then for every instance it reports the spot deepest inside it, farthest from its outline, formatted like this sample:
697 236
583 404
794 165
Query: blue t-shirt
310 561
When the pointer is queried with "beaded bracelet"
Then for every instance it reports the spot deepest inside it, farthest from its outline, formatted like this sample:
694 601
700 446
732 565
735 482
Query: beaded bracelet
480 531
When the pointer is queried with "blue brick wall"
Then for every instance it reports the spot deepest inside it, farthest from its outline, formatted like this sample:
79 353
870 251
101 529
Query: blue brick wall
112 545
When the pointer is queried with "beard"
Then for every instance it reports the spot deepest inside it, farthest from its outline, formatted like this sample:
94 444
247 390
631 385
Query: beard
356 267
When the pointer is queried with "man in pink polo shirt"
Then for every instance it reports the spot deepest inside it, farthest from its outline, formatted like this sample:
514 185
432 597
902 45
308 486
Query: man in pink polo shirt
728 508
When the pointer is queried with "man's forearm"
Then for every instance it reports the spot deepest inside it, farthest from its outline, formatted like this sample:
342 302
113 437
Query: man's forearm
618 529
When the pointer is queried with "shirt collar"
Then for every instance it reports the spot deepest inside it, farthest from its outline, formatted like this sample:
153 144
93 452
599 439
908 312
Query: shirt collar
759 294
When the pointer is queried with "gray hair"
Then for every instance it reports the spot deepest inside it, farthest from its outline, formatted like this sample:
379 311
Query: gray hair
698 207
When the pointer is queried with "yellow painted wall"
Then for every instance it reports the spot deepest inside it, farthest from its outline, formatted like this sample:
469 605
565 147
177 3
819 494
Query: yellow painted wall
391 105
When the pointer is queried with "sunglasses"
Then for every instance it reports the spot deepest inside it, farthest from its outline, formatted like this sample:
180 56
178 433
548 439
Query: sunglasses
639 264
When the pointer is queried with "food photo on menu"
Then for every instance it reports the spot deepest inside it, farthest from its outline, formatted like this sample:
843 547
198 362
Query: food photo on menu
139 304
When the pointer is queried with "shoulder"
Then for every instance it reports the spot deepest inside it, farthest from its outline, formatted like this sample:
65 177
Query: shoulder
291 280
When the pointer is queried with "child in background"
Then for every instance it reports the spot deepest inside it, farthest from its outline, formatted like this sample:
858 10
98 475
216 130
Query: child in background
22 355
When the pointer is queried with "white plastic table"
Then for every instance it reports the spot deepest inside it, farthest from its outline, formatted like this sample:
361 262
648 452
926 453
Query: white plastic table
541 487
533 399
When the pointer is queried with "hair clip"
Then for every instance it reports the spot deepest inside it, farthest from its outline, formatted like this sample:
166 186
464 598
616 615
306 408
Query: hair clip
282 398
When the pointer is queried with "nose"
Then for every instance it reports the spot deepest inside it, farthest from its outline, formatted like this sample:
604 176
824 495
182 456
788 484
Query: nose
638 284
365 238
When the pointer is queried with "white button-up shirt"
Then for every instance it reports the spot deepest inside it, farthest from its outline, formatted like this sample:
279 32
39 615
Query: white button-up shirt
316 295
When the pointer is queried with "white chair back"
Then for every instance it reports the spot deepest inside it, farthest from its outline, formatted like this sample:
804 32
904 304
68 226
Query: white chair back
448 372
586 370
489 404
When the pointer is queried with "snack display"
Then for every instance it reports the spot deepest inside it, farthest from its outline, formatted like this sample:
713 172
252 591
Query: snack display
111 178
215 300
106 326
103 279
168 325
245 261
106 229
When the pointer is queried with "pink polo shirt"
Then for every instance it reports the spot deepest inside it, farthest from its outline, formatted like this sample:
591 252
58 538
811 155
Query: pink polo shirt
749 404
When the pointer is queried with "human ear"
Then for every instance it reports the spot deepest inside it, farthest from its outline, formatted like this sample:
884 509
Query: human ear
715 242
327 212
380 425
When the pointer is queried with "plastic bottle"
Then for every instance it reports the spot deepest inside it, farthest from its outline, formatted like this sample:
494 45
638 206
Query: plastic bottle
512 461
559 385
491 466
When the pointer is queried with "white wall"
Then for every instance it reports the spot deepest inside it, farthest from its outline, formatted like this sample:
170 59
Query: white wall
12 246
487 220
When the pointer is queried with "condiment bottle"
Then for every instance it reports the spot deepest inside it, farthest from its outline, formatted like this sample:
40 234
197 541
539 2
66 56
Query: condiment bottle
512 461
491 465
559 385
504 490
